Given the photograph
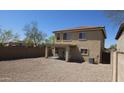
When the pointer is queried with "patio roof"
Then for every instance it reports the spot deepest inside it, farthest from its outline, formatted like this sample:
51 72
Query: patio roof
61 45
65 45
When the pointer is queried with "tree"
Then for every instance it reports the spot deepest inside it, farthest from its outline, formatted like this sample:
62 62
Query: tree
33 34
113 47
6 36
16 38
50 40
116 16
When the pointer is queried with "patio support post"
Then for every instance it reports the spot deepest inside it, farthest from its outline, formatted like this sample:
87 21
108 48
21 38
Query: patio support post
67 53
46 52
54 51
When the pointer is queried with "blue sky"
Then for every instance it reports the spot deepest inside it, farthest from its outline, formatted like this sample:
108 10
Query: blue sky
49 21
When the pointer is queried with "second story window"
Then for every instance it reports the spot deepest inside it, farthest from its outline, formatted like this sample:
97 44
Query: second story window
82 36
66 36
58 36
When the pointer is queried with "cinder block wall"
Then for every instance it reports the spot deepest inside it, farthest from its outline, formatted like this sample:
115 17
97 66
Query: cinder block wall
114 66
7 53
117 59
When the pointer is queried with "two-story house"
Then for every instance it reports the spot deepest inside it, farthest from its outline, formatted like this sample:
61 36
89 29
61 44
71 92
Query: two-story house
80 43
120 38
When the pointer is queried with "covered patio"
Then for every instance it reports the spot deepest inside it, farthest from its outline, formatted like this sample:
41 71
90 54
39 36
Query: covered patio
63 51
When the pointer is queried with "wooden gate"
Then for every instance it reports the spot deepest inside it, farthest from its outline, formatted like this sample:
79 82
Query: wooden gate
106 57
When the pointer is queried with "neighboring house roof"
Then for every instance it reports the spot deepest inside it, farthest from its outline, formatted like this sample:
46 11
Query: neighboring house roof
85 28
119 31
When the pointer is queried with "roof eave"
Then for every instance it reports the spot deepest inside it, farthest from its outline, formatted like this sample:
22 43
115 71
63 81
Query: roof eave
119 31
77 29
103 28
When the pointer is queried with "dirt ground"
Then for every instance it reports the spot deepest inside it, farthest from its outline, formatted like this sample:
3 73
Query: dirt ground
53 70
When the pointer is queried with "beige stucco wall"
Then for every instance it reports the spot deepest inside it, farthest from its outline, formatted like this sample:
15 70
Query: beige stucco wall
94 43
120 43
121 67
94 51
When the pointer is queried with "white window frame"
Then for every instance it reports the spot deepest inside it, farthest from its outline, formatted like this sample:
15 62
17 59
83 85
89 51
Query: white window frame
83 38
69 36
84 53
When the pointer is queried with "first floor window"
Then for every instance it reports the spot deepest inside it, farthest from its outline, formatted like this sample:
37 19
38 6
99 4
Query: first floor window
84 51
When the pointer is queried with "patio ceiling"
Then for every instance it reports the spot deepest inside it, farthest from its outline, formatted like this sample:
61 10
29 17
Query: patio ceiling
61 45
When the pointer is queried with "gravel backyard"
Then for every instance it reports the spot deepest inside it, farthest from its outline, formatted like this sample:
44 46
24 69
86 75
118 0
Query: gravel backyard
41 69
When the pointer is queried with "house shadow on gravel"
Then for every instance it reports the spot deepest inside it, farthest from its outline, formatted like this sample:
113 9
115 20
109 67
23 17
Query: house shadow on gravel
70 61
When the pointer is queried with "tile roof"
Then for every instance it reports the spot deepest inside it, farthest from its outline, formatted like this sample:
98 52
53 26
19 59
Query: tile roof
84 28
121 28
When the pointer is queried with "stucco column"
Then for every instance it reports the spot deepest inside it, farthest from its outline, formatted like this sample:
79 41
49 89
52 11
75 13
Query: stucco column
114 62
67 53
54 51
46 52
